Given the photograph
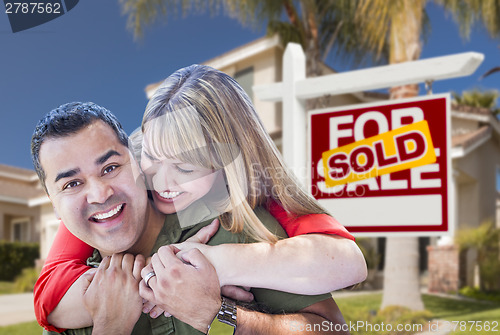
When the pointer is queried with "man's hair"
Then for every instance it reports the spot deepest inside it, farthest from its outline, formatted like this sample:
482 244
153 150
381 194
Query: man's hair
66 120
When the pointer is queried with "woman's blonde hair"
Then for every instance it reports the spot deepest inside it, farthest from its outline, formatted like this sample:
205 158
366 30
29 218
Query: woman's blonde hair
205 118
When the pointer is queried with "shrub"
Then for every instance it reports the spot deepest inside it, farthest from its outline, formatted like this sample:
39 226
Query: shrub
25 282
15 256
485 240
475 293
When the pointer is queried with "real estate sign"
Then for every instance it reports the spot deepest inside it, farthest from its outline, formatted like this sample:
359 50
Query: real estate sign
385 168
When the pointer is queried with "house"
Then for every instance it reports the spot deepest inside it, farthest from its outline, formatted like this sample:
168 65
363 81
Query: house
24 207
476 172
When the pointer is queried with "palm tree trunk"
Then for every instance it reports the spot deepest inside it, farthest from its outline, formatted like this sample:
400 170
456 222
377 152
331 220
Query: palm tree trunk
401 272
401 277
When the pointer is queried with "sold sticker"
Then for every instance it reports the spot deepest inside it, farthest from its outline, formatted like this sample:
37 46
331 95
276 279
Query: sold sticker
396 150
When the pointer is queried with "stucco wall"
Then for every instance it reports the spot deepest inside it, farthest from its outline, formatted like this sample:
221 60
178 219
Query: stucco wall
265 71
49 228
463 126
9 211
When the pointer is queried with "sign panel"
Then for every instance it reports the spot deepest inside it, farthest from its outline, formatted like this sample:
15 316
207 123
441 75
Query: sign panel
384 169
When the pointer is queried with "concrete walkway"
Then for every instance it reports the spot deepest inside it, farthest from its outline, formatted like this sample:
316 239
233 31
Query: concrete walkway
16 308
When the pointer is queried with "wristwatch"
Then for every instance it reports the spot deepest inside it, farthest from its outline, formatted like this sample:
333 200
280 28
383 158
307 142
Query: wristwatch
225 318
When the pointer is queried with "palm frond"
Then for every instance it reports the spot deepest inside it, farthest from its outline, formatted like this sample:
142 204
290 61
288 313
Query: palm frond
491 71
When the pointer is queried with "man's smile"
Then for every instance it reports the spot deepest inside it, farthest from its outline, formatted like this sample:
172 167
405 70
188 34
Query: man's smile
109 215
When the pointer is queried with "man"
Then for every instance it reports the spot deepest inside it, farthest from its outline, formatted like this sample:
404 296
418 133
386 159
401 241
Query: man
81 155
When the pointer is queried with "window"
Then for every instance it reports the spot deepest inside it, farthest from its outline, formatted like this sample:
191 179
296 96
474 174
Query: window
20 231
245 79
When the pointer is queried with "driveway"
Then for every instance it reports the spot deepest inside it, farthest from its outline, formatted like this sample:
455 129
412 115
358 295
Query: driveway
16 308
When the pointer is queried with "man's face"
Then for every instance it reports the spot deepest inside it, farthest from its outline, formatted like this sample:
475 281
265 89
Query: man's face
90 181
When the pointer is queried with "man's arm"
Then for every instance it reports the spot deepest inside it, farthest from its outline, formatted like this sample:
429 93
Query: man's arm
320 318
189 290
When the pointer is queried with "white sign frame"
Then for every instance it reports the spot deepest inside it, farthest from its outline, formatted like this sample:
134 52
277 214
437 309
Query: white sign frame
352 206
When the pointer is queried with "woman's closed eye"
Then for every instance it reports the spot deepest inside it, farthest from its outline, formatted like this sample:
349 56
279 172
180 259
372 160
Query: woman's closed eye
184 169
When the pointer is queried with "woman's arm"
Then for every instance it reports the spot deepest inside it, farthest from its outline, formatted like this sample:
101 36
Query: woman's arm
65 263
319 257
305 264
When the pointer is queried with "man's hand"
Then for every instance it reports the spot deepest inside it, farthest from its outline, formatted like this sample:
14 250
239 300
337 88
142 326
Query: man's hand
111 294
188 289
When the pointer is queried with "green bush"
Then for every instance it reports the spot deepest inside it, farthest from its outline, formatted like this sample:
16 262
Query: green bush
16 256
484 239
25 282
475 293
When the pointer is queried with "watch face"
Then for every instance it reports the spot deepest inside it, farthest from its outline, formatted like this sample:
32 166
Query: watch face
221 328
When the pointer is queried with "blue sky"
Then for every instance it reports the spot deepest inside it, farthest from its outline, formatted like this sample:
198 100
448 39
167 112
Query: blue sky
89 55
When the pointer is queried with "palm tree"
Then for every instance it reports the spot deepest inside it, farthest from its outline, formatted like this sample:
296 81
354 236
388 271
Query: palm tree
484 239
400 23
477 98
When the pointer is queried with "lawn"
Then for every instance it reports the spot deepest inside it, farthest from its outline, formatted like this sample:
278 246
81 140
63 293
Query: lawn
32 328
7 287
365 305
461 311
27 328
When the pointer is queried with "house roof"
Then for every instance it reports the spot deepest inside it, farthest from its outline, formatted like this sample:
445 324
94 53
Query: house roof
471 113
12 191
245 51
20 186
470 109
13 172
231 57
469 139
462 144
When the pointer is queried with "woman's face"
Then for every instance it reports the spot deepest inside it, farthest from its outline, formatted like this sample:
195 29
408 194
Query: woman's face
175 185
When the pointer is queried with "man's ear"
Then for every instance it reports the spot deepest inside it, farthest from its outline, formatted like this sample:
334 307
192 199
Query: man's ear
55 212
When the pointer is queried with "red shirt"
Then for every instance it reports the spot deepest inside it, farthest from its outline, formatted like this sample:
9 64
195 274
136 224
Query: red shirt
67 259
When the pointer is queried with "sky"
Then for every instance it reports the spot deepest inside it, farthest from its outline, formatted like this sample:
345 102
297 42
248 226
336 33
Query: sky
89 55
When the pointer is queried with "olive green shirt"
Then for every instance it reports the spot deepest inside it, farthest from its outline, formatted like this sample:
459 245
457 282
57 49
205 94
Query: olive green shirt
269 301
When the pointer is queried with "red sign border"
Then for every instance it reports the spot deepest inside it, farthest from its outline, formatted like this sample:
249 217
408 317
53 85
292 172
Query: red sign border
401 230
